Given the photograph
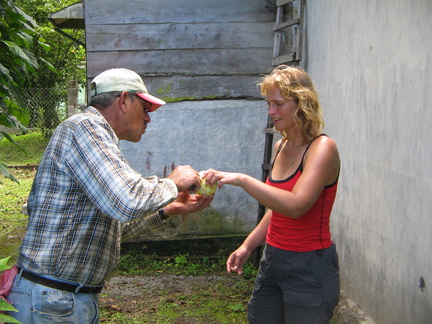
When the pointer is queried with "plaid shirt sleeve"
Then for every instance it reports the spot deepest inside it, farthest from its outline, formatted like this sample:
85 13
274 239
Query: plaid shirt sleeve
96 162
144 226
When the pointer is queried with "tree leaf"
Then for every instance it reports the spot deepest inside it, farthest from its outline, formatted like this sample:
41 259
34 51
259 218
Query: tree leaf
5 306
7 319
3 263
5 172
15 49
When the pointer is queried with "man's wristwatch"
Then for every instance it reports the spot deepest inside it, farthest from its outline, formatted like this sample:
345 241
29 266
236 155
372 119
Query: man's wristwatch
162 214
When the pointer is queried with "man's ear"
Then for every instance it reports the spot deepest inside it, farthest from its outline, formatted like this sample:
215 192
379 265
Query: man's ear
122 101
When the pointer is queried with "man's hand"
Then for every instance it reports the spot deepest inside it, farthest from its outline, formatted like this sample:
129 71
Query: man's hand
185 178
186 204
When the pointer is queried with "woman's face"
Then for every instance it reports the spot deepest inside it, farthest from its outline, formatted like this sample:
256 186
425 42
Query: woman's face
281 110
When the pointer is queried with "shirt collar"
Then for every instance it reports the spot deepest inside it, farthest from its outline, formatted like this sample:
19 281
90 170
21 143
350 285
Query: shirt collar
93 110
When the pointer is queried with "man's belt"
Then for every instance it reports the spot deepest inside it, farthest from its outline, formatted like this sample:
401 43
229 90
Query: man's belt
60 285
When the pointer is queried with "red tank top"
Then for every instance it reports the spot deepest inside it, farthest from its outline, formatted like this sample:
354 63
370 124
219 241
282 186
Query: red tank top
309 232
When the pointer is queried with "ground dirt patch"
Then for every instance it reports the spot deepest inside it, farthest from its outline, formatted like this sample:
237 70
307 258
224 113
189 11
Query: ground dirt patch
139 299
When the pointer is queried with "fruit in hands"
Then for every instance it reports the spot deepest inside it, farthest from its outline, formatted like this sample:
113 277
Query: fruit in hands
206 189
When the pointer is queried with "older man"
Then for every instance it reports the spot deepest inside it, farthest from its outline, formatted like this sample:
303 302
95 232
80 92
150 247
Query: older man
86 198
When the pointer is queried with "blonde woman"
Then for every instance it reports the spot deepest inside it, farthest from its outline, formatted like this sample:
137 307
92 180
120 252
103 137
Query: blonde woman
298 279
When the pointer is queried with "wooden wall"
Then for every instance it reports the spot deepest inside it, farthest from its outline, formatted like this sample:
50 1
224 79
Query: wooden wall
184 49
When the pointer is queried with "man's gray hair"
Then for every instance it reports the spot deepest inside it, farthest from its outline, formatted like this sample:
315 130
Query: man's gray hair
104 100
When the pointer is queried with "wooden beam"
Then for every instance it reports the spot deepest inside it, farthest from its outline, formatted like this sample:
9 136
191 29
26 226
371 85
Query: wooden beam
286 24
283 59
280 3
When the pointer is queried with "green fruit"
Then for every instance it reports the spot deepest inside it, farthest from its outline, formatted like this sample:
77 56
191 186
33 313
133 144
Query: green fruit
205 189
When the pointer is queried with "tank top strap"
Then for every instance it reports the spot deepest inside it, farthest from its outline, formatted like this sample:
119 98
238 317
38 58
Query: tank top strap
307 148
279 149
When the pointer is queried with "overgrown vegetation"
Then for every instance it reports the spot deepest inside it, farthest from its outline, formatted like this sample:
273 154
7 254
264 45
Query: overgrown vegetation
46 90
33 56
135 262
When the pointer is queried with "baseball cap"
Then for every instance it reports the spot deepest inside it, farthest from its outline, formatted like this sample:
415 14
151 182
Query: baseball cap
120 79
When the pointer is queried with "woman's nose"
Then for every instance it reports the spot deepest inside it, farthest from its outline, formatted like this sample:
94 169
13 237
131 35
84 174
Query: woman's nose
271 109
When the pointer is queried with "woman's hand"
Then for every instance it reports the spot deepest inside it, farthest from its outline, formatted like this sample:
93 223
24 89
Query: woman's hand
213 176
237 259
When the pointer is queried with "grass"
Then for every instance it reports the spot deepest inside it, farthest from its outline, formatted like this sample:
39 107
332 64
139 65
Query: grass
12 198
33 145
13 195
136 262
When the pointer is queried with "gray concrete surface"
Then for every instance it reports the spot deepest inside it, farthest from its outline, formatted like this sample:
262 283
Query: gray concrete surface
371 62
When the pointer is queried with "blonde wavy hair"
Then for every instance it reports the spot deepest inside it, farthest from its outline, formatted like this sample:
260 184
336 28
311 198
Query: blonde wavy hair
295 84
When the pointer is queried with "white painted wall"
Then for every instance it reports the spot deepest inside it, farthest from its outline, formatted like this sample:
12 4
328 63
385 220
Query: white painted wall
371 62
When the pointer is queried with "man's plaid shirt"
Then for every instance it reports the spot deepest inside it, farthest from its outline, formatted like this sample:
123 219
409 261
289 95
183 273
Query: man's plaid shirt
84 200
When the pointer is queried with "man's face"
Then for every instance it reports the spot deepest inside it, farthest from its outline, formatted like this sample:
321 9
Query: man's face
136 118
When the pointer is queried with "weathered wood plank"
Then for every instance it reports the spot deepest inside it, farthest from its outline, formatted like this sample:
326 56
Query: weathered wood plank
188 61
162 11
183 87
283 2
286 24
179 36
186 48
283 59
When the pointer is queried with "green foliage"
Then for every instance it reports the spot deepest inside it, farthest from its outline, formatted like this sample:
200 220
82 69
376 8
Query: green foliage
3 263
239 307
48 86
34 56
17 62
16 30
6 173
66 55
4 306
135 263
